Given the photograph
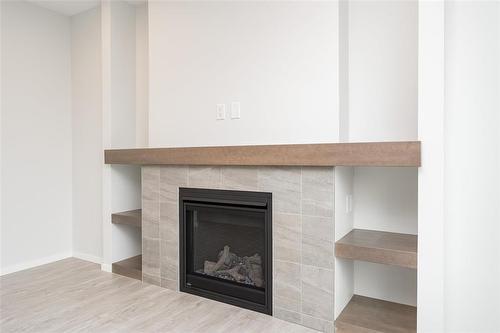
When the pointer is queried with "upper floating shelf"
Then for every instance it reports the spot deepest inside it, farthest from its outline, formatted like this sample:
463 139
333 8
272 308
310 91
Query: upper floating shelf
406 154
379 247
130 217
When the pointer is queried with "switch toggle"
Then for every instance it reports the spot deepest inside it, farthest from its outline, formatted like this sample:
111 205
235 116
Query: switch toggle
220 112
235 110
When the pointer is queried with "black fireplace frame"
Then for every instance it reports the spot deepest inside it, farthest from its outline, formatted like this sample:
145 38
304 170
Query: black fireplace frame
229 198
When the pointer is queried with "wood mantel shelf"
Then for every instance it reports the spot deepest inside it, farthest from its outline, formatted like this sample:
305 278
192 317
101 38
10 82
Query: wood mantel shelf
406 154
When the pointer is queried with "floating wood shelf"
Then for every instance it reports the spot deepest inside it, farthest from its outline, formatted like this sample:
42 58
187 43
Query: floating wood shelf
130 267
326 154
379 247
131 217
364 314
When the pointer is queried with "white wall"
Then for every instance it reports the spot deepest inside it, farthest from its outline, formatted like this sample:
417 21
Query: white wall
141 75
430 315
382 104
87 134
36 136
278 59
125 180
121 186
123 32
382 70
472 166
386 199
344 269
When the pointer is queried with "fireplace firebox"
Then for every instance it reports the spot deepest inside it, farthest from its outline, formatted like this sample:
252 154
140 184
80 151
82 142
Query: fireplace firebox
226 246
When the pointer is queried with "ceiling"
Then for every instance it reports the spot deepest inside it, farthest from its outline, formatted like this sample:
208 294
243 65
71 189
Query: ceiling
72 7
67 7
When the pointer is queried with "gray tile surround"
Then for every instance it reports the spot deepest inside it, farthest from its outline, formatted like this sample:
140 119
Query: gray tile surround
303 222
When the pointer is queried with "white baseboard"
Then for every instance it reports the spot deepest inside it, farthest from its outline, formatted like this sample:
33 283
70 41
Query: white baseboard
87 257
34 263
106 267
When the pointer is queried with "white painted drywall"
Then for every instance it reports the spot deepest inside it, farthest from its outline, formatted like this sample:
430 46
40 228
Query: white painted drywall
36 136
430 291
343 80
472 166
87 134
392 283
382 104
385 199
344 269
278 59
123 32
124 181
126 195
141 75
382 70
107 245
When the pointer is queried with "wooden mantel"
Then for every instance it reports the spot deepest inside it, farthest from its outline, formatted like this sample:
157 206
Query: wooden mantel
326 154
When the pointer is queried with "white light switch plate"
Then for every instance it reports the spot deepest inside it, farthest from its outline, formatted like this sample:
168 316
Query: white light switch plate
235 110
220 112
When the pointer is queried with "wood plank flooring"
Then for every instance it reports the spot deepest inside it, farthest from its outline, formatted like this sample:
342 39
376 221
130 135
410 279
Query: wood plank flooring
73 295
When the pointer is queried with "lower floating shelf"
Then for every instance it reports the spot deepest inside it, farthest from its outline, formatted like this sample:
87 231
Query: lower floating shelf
365 314
130 267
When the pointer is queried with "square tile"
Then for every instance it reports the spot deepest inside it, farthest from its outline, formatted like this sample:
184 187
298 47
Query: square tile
287 281
318 227
318 277
240 178
286 315
170 284
150 219
169 265
317 292
149 279
150 183
205 177
151 256
317 324
169 221
287 304
171 178
286 237
284 183
318 191
317 252
317 302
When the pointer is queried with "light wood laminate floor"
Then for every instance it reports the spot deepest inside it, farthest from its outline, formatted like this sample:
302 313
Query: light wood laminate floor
73 295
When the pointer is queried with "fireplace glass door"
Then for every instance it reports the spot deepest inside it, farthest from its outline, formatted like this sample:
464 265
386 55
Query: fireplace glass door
226 248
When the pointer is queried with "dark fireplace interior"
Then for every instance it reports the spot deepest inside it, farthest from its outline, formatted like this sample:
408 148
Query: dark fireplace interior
225 246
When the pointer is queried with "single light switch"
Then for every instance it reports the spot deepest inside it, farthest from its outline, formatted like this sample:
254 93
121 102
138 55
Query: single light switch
220 112
235 110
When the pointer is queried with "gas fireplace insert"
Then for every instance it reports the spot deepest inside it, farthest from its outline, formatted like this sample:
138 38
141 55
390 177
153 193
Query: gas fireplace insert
226 246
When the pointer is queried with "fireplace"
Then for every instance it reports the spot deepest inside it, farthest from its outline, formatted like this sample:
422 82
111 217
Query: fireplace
226 246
